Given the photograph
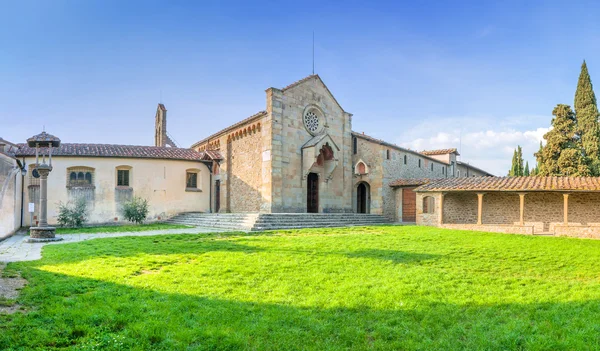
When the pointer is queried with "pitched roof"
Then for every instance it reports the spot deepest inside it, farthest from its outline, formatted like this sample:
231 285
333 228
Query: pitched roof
124 151
316 76
212 155
409 182
394 146
233 126
489 184
440 152
473 167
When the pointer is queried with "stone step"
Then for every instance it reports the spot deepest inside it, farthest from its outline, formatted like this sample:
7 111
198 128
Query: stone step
273 221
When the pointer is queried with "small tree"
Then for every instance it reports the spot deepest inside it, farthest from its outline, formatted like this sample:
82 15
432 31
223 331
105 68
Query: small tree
73 213
136 210
526 171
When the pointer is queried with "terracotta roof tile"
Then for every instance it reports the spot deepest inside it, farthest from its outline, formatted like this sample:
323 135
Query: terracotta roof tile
513 184
440 152
124 151
410 182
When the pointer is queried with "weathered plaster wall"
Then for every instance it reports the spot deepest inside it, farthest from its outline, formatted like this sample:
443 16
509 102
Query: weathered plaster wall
161 182
10 196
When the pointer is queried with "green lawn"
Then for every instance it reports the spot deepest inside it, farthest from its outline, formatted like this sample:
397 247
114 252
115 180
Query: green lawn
375 288
120 228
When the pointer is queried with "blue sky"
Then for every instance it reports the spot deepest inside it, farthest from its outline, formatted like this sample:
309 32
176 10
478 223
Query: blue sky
482 75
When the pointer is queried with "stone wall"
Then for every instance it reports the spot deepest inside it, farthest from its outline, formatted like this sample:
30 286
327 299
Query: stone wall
431 218
10 196
244 173
460 208
544 211
500 208
382 171
584 209
495 228
290 135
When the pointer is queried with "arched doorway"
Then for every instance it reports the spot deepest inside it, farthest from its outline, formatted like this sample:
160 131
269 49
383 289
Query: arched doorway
312 193
362 198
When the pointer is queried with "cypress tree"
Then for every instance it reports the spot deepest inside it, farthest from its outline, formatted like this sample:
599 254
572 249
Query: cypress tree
539 157
588 129
513 166
520 170
526 170
562 154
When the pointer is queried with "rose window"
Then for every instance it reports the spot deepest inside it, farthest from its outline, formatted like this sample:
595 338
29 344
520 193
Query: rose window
311 122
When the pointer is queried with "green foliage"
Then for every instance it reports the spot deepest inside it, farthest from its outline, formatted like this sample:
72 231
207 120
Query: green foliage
562 139
73 214
121 228
370 288
136 210
588 129
517 168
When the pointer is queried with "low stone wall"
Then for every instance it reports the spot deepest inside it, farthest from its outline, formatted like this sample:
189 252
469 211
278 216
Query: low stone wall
496 228
578 231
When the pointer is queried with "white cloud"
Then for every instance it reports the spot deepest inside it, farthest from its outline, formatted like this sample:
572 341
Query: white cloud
482 142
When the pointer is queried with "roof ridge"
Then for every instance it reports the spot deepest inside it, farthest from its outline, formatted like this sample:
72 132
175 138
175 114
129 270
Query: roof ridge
245 120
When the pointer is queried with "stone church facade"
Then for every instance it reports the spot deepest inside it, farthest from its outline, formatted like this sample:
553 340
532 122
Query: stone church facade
301 155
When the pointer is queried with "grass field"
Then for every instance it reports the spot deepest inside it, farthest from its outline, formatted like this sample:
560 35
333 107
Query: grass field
120 228
374 288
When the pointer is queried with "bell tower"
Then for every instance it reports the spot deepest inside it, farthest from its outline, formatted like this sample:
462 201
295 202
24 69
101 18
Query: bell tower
160 128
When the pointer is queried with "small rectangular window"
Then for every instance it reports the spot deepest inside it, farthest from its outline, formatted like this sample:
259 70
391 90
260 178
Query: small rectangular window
404 159
419 163
354 145
432 167
123 177
387 154
191 180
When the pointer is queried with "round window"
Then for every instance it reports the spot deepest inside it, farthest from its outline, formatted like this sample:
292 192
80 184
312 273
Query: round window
313 122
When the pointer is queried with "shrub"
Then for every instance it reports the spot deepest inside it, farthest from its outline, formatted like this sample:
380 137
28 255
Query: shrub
136 210
72 214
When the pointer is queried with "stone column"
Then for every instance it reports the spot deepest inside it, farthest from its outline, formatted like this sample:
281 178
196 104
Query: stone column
522 209
43 196
566 209
479 207
441 221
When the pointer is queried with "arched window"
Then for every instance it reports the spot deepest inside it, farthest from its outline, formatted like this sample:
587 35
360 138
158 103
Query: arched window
80 177
428 204
361 168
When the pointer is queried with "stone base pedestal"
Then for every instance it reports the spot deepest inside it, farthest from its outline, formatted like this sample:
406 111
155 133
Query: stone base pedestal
42 235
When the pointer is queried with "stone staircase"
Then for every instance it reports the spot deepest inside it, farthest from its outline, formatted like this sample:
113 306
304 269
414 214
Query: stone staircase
272 221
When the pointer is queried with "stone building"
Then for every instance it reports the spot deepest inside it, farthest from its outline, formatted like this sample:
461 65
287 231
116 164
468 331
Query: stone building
562 206
301 155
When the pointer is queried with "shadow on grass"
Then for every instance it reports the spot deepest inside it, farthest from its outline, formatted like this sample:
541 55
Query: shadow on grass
111 316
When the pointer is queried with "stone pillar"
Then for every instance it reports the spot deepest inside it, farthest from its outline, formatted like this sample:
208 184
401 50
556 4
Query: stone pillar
566 209
522 209
441 220
479 207
43 196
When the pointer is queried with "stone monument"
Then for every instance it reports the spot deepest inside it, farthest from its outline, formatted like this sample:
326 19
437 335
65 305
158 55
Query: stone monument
43 142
